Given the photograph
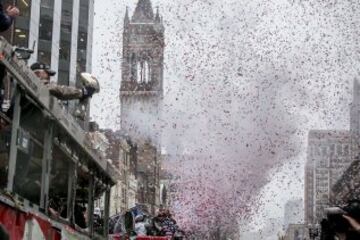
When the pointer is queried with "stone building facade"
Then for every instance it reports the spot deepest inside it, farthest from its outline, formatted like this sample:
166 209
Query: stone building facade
122 153
141 95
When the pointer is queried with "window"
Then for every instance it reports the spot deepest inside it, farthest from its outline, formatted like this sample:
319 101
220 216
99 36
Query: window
44 57
82 39
28 172
47 3
5 140
21 37
24 7
46 25
339 149
143 72
22 24
65 42
133 67
346 150
59 183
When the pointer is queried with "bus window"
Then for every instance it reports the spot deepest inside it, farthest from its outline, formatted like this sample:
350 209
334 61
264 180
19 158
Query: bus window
28 172
5 140
59 183
100 211
82 198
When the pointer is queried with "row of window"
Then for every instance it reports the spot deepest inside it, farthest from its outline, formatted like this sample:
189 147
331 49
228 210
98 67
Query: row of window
22 34
337 149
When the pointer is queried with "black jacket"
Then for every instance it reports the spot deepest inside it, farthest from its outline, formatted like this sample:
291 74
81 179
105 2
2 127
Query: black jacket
5 20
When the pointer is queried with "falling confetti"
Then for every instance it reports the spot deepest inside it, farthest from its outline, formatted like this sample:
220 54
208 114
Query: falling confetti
245 81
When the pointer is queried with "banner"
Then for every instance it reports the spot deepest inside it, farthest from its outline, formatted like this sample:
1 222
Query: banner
33 230
70 234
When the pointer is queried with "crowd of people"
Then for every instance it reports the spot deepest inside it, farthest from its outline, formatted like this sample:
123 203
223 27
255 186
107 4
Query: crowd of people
163 224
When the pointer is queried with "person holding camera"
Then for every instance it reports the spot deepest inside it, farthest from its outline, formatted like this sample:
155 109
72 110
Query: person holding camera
342 223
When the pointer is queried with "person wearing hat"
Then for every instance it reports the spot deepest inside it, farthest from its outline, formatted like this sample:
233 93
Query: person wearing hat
140 226
62 92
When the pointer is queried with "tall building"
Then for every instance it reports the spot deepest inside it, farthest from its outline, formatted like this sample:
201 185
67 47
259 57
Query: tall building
328 155
297 232
347 188
122 153
293 213
61 33
355 120
141 95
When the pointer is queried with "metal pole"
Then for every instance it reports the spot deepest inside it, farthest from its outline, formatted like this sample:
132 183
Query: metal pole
107 211
91 206
13 146
46 167
71 192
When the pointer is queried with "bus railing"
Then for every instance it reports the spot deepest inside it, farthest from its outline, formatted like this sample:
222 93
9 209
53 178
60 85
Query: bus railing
31 84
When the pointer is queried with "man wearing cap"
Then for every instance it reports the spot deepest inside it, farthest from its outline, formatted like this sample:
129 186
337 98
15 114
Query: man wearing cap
62 92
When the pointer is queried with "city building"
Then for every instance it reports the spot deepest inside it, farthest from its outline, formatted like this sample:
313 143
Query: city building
355 120
122 153
141 95
348 186
328 156
167 178
293 213
60 32
297 232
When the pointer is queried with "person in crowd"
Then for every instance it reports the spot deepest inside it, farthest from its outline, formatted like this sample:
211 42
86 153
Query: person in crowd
79 216
158 222
164 223
91 85
169 226
7 16
98 221
140 226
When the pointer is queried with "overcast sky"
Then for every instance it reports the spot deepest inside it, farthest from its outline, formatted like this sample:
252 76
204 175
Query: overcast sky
245 80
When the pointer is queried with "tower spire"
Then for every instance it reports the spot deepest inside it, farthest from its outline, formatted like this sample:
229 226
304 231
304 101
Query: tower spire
157 17
127 19
143 12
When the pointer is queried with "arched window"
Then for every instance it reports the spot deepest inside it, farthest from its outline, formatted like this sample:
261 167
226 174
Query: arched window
139 72
133 67
143 72
146 72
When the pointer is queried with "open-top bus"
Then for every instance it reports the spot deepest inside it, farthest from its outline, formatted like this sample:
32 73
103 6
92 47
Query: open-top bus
50 175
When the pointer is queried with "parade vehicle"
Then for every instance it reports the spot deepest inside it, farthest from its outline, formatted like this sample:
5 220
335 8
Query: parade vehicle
50 174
